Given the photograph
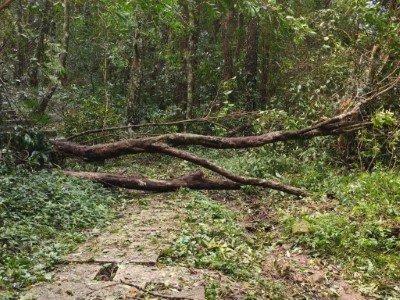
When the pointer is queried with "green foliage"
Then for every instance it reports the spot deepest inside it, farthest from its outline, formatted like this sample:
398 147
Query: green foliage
383 118
360 230
42 215
24 146
90 115
211 238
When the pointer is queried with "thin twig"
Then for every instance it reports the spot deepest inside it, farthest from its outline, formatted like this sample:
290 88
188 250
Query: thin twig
199 120
152 293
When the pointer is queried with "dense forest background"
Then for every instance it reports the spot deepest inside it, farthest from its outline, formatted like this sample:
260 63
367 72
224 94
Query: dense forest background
103 71
96 64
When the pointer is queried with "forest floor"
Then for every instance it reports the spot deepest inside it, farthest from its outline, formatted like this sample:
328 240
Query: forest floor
195 246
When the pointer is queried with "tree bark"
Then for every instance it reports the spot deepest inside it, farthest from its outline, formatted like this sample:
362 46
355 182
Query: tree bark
166 144
195 181
264 78
44 102
135 77
228 61
135 146
21 46
251 64
65 42
189 61
41 45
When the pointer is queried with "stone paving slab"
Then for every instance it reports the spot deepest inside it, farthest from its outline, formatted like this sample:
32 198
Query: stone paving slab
114 292
134 244
196 293
172 281
64 290
128 256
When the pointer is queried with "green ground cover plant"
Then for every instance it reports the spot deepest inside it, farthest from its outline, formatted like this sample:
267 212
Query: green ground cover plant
212 239
360 230
42 216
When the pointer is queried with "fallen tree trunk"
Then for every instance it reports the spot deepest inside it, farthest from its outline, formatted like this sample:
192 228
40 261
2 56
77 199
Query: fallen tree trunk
166 144
194 180
141 145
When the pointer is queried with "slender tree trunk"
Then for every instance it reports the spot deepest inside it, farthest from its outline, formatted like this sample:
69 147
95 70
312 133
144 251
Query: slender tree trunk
135 77
65 42
228 61
41 45
181 86
20 45
240 36
251 64
189 64
44 102
105 73
264 69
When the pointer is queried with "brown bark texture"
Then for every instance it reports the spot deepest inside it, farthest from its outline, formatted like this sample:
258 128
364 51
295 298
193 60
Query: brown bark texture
65 42
135 78
167 144
228 60
194 180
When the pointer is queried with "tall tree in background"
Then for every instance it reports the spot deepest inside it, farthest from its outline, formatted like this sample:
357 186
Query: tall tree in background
40 51
189 18
228 59
135 77
251 63
65 42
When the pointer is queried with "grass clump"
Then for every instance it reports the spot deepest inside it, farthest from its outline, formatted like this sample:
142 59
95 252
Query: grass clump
42 216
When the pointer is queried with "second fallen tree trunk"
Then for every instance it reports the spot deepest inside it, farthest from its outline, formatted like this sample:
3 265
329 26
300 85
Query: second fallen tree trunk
194 180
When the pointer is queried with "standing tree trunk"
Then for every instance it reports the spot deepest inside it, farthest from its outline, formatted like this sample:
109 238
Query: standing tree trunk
264 69
40 50
20 45
105 73
240 35
189 63
65 43
251 64
135 77
228 61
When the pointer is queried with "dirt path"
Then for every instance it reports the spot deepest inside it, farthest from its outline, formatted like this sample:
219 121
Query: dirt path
122 262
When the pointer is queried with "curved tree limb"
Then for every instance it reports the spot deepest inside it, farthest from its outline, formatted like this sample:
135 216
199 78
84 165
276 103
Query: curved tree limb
165 149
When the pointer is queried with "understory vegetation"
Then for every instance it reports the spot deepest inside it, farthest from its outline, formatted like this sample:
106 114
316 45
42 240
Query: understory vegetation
43 215
351 222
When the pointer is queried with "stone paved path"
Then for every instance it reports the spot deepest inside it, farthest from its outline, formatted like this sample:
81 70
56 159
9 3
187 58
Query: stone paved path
122 263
